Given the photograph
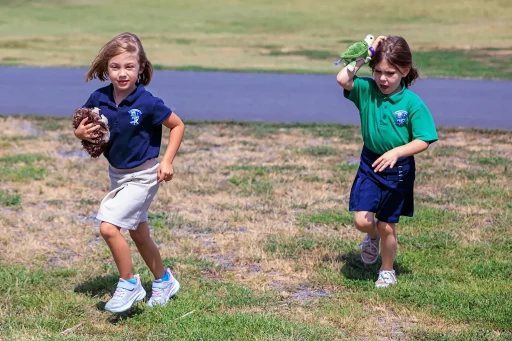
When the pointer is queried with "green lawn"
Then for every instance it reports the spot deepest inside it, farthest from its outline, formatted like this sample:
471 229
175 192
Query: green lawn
306 36
256 228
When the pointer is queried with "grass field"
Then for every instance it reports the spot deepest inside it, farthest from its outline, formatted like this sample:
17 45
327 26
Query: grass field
256 228
473 40
255 223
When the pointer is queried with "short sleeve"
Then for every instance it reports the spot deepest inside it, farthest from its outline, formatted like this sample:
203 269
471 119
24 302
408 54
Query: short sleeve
422 124
360 90
160 112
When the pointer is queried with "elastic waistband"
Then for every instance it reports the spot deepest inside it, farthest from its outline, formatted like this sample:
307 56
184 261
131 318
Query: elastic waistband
146 165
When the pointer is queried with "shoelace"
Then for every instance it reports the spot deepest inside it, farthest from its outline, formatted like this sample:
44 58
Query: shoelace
367 241
119 293
157 292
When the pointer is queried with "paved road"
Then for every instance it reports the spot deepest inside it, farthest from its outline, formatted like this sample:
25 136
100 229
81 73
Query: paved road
256 97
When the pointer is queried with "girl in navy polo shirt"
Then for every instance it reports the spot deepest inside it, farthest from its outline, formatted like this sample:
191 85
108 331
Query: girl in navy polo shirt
135 119
396 125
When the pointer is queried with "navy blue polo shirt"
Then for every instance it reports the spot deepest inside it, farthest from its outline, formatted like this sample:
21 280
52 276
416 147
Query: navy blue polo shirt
135 125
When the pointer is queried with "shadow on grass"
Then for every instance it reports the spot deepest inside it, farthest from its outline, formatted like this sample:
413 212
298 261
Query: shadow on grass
98 286
135 310
103 285
354 268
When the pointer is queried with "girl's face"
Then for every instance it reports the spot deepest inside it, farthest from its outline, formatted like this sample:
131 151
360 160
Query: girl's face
388 77
123 71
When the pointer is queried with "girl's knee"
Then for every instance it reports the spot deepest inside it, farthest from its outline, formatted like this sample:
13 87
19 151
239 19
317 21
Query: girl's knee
108 230
385 228
363 220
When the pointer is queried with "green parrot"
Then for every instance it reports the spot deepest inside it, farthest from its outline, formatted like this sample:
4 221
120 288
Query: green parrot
356 51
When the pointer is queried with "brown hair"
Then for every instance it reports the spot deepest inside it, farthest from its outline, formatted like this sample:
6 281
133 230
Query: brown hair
124 42
396 52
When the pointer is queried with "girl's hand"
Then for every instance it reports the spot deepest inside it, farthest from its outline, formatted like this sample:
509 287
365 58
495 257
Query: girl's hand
377 42
387 159
165 172
86 132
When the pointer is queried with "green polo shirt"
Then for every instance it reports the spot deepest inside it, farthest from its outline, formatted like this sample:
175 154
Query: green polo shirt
390 121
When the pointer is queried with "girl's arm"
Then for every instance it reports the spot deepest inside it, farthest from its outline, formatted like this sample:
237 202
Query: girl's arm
389 158
177 129
345 78
174 123
412 148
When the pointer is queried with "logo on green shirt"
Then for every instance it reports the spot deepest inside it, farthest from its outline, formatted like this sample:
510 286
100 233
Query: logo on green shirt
400 117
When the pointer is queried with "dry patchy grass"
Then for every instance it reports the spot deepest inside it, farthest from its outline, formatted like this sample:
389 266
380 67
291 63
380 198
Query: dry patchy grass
267 205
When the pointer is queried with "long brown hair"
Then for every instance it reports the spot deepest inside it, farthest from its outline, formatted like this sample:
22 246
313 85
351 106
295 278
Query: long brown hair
396 52
124 42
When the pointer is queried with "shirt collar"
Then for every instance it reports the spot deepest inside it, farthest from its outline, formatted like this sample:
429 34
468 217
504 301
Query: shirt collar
108 95
396 97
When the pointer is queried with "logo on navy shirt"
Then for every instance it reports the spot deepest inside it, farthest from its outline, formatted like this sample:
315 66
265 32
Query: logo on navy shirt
400 117
135 114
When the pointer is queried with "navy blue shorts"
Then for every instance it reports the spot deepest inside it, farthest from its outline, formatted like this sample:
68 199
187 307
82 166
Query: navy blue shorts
389 193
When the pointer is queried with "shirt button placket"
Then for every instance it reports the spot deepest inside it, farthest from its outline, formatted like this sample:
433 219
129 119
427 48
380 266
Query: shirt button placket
384 113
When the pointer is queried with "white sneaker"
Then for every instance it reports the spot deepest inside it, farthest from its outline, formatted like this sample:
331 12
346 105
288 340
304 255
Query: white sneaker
125 296
386 278
162 291
370 249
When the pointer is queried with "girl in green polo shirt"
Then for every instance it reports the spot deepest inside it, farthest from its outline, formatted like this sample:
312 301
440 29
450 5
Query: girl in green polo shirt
396 125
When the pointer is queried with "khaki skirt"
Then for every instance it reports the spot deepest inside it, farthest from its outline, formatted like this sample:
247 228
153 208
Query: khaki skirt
131 193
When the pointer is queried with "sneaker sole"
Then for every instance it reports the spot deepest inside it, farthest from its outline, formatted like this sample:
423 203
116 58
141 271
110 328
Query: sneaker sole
128 305
384 285
173 292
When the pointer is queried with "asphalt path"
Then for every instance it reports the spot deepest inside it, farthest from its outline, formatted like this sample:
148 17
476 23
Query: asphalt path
263 97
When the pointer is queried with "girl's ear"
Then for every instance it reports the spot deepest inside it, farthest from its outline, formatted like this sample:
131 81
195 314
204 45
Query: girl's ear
405 71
